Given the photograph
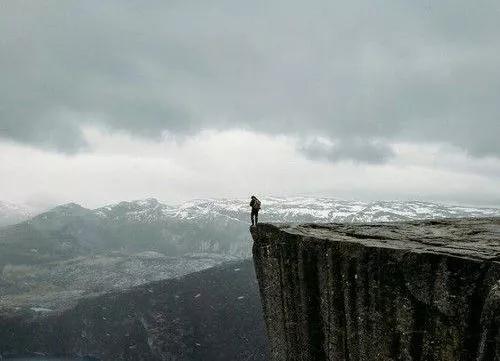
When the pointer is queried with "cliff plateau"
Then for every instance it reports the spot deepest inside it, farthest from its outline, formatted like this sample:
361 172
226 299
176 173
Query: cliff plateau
422 290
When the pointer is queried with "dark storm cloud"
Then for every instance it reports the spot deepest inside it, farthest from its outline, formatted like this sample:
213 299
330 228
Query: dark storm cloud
362 74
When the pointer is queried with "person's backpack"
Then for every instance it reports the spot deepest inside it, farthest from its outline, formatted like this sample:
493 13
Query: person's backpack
256 205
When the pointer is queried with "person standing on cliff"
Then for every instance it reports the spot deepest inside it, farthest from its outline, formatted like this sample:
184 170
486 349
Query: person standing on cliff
255 204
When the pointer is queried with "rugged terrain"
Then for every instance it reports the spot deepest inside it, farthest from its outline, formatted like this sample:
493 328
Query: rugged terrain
210 315
59 256
421 290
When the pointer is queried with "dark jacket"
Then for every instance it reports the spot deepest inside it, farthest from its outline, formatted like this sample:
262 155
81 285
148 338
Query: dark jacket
255 205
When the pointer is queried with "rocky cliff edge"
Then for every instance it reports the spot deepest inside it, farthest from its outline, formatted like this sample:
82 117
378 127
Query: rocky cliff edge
426 290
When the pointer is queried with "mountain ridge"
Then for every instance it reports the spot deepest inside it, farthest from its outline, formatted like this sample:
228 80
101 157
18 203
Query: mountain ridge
204 225
280 209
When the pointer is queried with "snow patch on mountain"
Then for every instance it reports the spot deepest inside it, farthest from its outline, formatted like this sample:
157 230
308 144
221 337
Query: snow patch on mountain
294 209
11 213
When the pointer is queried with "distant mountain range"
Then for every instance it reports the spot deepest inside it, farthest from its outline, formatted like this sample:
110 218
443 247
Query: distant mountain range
312 209
217 226
275 209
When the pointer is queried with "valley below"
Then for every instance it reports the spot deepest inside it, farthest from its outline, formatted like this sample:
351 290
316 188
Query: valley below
209 315
59 285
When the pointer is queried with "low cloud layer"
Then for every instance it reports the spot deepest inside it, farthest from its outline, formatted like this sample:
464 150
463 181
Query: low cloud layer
359 149
362 75
119 166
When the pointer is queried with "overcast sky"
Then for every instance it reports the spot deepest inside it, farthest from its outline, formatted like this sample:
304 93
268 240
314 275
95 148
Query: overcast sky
107 101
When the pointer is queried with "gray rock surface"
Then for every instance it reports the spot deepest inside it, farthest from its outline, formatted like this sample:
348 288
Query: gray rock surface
422 290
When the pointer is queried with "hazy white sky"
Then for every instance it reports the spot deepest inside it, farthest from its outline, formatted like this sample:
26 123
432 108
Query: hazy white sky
119 166
101 102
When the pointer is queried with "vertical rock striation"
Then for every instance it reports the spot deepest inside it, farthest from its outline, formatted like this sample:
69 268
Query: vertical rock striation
426 290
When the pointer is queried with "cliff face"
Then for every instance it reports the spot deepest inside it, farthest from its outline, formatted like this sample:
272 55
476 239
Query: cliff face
423 290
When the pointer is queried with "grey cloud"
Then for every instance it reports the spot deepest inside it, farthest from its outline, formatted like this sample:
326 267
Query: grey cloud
362 150
391 71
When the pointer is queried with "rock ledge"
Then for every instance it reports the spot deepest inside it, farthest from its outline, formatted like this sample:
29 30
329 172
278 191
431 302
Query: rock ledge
425 290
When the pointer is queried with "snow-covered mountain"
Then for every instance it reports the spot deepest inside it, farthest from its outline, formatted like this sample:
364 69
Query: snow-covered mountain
11 213
304 209
296 209
217 226
274 209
